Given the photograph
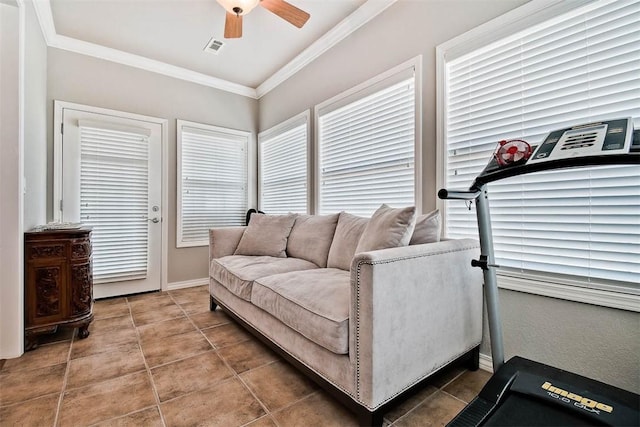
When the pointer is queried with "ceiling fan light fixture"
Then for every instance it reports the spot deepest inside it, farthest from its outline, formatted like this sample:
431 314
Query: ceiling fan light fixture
239 7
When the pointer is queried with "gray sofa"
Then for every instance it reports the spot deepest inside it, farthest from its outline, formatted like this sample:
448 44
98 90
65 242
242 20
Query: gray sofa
367 325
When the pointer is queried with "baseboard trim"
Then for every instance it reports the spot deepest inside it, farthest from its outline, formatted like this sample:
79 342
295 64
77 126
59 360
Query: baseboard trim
187 284
486 362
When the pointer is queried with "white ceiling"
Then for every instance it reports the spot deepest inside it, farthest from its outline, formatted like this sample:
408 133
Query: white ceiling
175 32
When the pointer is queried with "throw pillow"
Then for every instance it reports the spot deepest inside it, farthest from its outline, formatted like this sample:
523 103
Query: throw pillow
311 238
388 228
428 228
266 235
345 240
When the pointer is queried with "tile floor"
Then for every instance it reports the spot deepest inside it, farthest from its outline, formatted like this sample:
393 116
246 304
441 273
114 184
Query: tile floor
163 359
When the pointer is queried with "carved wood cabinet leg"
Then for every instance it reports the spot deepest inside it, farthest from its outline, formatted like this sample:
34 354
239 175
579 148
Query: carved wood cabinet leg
83 332
212 304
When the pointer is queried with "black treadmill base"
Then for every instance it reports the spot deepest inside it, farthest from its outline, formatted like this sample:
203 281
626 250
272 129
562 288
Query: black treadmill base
528 393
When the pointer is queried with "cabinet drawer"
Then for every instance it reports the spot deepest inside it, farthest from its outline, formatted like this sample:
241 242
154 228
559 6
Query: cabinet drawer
37 251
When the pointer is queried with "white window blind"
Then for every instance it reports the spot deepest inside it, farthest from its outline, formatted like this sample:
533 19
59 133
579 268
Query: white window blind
114 175
212 175
283 167
367 148
578 67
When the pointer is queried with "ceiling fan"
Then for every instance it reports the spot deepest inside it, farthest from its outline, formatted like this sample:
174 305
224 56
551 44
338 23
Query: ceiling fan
238 8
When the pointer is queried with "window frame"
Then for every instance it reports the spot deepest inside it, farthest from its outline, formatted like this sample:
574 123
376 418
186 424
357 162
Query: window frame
544 284
303 118
360 91
180 243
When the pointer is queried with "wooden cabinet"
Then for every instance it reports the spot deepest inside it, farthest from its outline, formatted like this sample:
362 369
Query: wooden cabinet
58 282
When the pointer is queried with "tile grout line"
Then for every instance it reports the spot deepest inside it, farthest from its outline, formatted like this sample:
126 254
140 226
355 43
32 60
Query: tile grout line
56 420
235 374
146 365
438 389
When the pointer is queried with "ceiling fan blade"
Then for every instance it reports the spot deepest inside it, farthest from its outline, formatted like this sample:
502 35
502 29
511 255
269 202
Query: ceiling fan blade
233 26
286 11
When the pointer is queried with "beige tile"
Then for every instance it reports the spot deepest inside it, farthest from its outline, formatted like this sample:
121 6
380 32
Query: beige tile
165 329
247 355
401 408
468 385
144 316
318 410
145 296
149 417
24 385
119 361
209 319
446 375
168 349
235 406
112 307
100 342
106 400
44 355
265 421
149 302
437 410
278 384
36 412
111 324
188 375
187 294
226 335
196 303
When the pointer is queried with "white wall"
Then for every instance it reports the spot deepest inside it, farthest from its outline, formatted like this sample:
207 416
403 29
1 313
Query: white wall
11 302
594 341
35 122
86 80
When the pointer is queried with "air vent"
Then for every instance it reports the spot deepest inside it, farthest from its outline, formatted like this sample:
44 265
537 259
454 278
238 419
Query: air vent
214 46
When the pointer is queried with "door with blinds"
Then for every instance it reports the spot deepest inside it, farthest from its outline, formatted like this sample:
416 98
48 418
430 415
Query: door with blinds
111 181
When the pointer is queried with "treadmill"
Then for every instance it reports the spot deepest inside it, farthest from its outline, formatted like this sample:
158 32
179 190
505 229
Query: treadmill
523 392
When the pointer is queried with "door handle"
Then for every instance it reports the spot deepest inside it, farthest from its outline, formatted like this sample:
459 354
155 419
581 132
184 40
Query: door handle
154 220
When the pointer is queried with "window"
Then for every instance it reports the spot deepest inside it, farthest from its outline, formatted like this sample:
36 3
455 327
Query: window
572 67
283 166
212 180
367 145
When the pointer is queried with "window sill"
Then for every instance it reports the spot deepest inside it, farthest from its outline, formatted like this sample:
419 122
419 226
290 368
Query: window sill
601 297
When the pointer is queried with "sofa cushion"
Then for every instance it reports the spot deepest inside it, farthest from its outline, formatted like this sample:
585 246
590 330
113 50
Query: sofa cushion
311 238
313 302
388 228
266 235
428 228
345 240
237 272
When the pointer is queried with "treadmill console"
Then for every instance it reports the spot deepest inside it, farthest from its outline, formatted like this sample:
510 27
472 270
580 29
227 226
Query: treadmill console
592 139
591 144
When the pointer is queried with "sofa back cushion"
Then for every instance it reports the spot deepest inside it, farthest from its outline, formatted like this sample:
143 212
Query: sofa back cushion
266 235
311 238
388 228
428 228
345 240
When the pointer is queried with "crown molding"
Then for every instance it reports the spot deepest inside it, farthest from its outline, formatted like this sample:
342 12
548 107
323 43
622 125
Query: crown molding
114 55
45 18
350 24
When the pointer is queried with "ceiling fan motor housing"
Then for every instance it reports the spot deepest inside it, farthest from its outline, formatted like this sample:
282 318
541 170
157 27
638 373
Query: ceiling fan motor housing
239 7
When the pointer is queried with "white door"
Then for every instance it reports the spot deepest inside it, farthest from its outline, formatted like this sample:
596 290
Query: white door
111 180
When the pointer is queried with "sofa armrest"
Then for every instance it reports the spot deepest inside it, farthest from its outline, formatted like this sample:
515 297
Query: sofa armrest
223 241
413 310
